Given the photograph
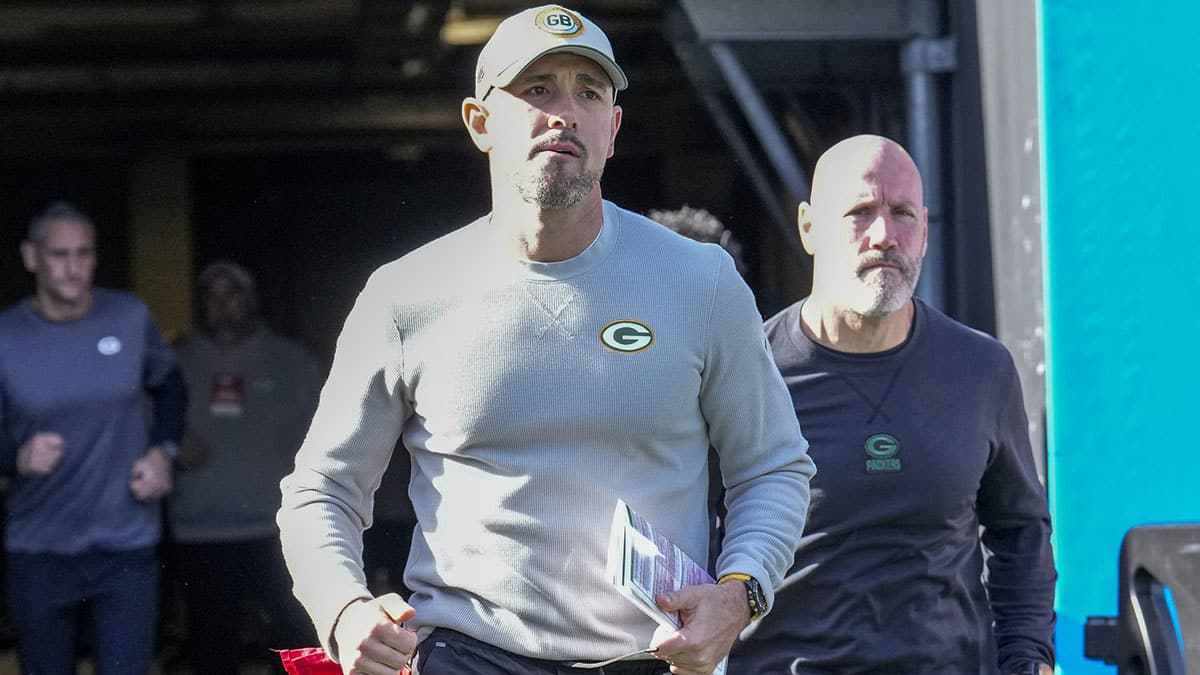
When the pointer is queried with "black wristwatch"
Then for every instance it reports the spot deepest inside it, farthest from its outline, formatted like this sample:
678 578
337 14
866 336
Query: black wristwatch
754 593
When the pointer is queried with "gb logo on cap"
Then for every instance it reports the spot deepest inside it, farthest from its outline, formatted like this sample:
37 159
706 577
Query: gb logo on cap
559 22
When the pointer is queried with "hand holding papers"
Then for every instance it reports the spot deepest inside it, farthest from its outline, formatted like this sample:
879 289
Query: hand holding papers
643 563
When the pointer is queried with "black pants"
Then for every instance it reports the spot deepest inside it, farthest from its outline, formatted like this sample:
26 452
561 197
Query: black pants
116 593
220 582
448 652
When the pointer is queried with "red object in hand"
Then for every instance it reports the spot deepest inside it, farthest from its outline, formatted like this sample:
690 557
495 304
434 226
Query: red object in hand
314 661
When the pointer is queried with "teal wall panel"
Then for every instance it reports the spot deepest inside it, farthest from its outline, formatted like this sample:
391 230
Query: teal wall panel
1120 95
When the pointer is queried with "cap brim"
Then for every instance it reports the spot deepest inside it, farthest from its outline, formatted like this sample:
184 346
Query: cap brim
614 72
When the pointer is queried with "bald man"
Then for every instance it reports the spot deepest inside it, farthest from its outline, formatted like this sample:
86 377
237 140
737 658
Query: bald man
918 424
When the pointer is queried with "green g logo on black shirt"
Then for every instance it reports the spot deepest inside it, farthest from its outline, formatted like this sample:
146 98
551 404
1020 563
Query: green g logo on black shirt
881 453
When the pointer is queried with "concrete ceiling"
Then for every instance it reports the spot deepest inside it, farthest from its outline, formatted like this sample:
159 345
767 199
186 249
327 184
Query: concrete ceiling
102 75
107 76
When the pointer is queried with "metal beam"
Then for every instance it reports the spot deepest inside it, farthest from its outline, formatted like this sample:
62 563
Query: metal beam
236 119
208 75
40 20
774 143
921 59
798 20
758 178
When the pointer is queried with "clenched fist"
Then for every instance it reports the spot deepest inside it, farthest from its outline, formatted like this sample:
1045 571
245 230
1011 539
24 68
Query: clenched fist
40 454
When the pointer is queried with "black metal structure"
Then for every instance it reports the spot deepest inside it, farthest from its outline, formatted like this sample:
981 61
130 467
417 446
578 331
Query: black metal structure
784 79
1159 585
104 82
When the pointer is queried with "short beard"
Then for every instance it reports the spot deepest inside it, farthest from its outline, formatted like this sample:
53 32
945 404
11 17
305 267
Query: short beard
556 191
877 300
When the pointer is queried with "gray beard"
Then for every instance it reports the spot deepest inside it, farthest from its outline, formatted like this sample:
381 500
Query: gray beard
557 192
878 300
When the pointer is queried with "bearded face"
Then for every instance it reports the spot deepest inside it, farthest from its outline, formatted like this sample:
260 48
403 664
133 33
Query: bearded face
552 183
549 133
866 228
881 283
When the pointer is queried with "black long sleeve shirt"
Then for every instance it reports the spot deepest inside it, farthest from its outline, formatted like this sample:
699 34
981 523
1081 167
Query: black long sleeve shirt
917 448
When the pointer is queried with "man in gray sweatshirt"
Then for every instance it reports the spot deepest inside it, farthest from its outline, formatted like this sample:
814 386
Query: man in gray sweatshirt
251 394
546 360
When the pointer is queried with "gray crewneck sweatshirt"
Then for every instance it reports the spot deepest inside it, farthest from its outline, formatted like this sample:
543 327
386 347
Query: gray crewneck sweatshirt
249 404
524 428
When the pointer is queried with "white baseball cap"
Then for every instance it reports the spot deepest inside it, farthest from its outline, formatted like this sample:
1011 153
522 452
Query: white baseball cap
524 38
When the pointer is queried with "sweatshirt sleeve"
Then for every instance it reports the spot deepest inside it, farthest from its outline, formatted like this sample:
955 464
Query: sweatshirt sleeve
1016 520
327 500
170 408
8 445
164 382
764 460
8 456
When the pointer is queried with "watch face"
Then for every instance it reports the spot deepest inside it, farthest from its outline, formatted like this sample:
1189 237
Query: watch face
756 598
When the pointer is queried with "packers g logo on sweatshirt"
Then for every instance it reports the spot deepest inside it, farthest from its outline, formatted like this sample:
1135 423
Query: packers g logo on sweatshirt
626 336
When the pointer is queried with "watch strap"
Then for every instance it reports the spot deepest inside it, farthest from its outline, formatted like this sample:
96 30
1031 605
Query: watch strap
755 598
